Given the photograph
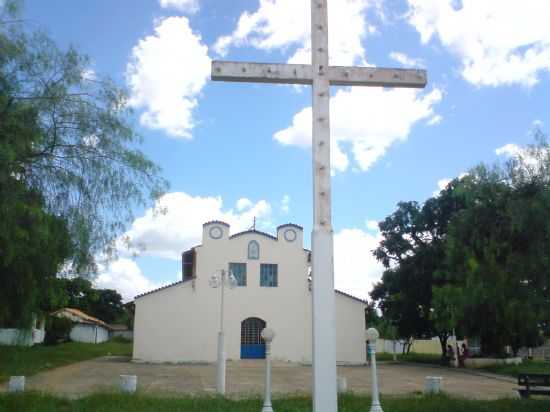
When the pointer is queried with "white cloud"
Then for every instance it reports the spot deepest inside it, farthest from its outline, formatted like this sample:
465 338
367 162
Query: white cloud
405 60
498 42
190 6
286 24
125 276
356 270
166 74
435 120
443 183
285 204
372 225
243 203
369 120
89 74
508 150
175 224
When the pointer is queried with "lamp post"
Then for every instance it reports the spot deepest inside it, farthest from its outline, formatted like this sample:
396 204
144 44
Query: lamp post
267 335
220 280
372 336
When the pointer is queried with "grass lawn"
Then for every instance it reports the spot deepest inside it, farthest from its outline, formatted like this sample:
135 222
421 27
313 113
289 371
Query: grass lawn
526 367
31 402
28 361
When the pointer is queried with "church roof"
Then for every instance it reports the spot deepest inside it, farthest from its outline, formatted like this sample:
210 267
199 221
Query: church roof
253 231
216 221
350 296
291 224
163 287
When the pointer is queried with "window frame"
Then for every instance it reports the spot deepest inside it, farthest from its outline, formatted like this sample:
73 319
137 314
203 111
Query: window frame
245 272
273 275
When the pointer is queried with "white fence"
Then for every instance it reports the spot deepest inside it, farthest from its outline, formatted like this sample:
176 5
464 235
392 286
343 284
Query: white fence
21 337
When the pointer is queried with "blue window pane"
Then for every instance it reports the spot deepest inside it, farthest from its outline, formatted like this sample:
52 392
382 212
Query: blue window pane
239 271
268 275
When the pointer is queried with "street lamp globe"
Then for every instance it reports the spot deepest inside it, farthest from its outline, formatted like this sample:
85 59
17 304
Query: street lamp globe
268 334
372 335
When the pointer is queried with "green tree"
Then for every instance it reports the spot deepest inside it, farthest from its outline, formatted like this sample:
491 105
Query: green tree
498 254
104 304
413 251
83 158
33 245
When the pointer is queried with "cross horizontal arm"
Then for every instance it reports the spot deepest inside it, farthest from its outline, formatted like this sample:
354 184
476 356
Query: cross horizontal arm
377 76
261 72
301 74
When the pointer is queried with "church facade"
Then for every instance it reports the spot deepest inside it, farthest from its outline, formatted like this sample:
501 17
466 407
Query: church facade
180 322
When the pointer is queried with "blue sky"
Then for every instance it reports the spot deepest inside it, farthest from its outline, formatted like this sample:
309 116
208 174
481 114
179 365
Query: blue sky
235 151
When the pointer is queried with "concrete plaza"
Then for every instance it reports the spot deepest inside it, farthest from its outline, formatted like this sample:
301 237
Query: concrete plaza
246 378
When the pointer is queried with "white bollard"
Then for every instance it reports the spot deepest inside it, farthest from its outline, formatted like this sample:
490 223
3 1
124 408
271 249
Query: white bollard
432 385
128 383
267 336
16 384
341 384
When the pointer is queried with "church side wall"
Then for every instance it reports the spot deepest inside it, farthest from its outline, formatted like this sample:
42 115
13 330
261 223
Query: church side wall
167 328
350 330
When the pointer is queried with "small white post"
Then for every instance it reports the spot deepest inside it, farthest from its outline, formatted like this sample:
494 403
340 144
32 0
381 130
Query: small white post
128 383
16 384
432 385
267 335
372 336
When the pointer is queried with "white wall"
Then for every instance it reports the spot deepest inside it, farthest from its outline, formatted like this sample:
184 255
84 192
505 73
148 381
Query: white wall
180 323
350 330
82 332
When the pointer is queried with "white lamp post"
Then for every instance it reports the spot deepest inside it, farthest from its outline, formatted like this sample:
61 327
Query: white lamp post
267 335
372 336
220 280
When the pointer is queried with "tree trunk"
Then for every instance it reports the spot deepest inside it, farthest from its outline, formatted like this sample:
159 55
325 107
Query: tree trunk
443 338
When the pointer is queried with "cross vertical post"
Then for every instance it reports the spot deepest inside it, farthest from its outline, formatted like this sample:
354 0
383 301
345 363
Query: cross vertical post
320 76
323 308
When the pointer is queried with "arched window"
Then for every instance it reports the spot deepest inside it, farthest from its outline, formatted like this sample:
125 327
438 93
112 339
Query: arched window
253 250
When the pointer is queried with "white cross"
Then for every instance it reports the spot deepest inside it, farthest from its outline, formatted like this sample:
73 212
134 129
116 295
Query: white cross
320 75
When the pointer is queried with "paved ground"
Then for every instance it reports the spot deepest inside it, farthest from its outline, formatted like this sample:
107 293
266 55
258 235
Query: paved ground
246 377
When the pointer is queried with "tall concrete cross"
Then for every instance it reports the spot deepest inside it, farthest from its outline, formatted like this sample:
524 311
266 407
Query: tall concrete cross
321 76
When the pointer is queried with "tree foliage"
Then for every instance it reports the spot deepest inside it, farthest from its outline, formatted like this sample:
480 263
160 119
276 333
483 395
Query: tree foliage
412 250
498 252
104 304
474 258
70 169
83 158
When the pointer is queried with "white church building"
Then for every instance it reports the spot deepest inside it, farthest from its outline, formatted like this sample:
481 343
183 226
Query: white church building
180 322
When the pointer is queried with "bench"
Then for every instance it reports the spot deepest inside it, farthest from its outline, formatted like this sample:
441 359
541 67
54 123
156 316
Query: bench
534 383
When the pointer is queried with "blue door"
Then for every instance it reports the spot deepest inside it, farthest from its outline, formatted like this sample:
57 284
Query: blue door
252 344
